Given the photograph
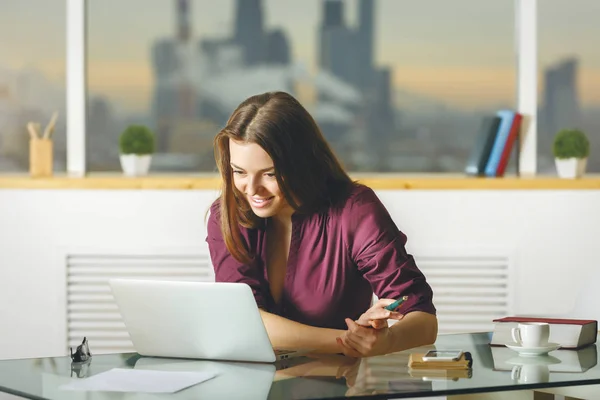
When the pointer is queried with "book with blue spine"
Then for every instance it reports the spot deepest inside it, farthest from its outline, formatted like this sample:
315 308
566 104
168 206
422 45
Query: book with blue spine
506 122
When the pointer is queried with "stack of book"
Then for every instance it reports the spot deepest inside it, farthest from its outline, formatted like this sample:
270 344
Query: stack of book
497 137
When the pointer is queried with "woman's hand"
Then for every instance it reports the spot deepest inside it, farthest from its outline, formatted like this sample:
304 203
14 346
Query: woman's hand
369 335
377 315
361 341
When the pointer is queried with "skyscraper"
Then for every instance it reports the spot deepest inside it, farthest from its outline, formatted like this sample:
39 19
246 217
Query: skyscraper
337 44
365 42
380 114
184 29
333 13
173 59
186 91
561 100
277 48
249 30
348 53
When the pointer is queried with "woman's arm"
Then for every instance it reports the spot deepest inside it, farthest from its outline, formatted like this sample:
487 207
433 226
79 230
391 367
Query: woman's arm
415 329
377 247
291 335
371 336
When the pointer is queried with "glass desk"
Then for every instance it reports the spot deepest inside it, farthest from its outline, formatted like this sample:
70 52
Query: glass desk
318 377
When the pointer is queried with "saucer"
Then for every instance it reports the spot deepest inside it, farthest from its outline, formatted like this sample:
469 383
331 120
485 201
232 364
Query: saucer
533 351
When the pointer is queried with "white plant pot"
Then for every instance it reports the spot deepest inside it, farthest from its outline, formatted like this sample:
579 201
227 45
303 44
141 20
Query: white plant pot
570 168
135 165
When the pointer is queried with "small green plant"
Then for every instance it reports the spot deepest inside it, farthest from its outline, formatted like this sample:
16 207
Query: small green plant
570 143
137 139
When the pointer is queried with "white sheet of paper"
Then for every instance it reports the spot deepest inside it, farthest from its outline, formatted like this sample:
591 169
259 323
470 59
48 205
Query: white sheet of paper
142 381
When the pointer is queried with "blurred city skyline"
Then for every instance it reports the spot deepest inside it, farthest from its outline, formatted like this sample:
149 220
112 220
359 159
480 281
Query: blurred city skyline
446 44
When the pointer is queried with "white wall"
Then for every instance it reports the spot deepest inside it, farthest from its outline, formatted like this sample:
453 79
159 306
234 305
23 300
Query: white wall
553 234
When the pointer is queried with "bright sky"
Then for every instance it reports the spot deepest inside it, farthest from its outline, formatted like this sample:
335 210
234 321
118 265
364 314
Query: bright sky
460 52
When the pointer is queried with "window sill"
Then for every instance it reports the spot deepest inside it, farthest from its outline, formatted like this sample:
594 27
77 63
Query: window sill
375 181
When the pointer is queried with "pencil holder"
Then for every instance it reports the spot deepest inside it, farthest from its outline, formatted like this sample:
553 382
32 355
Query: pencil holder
40 157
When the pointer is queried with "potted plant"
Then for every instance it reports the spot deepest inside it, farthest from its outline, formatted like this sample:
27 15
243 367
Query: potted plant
571 149
136 144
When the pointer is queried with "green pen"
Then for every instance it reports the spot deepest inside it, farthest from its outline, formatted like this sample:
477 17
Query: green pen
396 304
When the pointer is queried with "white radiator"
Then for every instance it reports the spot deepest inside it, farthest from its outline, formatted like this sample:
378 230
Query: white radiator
470 289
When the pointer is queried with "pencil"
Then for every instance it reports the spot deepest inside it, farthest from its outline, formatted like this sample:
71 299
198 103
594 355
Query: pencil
396 304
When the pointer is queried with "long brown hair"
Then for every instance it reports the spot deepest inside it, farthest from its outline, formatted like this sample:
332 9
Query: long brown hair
307 172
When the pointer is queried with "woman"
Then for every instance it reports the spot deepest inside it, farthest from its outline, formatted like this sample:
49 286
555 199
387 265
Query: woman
312 244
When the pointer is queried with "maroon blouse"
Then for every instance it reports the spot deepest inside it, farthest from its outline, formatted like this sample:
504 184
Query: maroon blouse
337 260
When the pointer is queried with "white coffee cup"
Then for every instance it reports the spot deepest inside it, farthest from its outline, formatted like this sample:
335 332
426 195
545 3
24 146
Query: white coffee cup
531 334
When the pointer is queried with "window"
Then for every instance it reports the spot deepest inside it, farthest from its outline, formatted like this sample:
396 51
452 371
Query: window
32 78
569 76
395 85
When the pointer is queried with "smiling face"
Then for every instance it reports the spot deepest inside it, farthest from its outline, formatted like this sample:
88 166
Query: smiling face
254 176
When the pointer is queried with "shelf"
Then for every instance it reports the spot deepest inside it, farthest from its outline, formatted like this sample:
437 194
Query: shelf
375 181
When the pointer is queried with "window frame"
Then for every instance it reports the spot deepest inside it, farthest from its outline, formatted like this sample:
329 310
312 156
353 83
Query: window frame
525 62
76 67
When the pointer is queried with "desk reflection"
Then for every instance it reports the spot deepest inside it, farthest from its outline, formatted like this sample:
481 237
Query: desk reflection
235 380
574 361
339 376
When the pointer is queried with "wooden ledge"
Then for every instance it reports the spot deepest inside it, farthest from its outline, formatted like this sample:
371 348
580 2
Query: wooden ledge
375 181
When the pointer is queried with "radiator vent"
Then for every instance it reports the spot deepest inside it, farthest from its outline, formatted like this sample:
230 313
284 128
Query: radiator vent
91 309
469 290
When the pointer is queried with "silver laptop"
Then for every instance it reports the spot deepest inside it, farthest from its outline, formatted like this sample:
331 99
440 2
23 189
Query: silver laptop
198 320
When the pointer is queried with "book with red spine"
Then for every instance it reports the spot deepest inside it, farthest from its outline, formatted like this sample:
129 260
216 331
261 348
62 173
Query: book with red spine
515 127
